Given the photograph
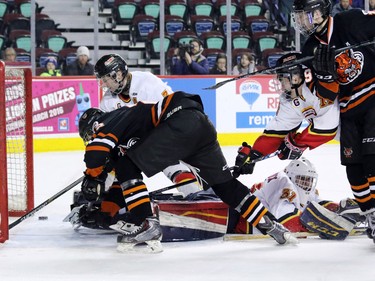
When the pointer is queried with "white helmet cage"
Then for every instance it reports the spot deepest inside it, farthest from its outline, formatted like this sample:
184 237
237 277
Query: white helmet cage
303 174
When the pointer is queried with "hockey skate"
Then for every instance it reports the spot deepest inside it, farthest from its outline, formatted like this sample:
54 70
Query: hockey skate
277 231
349 209
148 232
370 224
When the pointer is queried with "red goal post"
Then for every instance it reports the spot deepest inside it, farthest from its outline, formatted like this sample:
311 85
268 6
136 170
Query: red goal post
16 144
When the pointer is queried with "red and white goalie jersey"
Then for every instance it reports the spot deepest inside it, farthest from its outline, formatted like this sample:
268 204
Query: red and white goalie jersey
144 86
283 199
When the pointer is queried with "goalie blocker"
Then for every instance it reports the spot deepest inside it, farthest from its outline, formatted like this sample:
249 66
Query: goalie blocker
327 224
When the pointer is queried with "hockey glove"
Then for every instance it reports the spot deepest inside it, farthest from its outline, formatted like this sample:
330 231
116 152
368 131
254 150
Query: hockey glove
242 164
93 188
289 149
324 63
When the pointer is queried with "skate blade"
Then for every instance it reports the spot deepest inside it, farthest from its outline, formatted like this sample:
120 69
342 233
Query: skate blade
290 238
152 246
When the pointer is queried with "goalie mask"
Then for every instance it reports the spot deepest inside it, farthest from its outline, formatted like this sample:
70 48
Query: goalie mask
309 14
88 123
112 71
291 77
303 174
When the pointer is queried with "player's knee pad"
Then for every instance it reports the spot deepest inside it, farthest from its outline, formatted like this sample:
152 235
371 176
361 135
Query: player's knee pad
327 224
172 170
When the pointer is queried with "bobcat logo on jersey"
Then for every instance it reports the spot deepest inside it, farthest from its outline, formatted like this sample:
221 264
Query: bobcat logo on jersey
348 151
122 148
349 67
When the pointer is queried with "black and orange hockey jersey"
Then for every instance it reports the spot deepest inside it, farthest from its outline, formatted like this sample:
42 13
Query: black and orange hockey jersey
121 129
355 67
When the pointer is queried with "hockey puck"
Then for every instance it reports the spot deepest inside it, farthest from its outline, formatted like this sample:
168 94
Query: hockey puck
43 218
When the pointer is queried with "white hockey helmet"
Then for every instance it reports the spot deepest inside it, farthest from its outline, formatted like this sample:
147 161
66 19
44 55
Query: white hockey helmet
303 174
112 70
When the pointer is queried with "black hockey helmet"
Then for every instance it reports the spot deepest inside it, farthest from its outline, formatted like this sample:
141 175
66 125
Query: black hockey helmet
303 14
88 123
109 65
292 75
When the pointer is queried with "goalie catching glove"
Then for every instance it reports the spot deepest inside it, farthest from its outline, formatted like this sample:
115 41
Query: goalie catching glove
324 63
93 188
289 149
244 157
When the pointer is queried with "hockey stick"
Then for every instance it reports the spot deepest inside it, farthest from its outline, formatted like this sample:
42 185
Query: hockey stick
161 190
45 203
276 68
357 231
273 154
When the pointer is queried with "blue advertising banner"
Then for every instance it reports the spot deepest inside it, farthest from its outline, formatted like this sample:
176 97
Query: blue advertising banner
195 85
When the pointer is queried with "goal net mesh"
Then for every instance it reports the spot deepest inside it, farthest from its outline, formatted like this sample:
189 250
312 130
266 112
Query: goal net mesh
16 149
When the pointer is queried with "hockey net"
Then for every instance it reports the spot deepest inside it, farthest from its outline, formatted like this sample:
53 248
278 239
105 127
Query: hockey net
16 144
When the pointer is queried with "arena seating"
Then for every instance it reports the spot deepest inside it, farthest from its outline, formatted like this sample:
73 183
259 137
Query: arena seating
130 22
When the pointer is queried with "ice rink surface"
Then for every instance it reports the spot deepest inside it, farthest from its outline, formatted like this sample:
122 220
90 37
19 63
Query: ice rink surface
51 250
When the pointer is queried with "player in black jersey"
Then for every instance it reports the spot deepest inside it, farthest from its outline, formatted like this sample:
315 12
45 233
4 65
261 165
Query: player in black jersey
354 70
154 136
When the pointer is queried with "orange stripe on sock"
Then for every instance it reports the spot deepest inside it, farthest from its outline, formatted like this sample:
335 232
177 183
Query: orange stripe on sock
134 189
137 203
260 216
251 207
359 187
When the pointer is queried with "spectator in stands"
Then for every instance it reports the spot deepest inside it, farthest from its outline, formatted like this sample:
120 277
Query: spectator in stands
220 65
10 54
341 6
50 65
81 66
188 59
246 65
371 4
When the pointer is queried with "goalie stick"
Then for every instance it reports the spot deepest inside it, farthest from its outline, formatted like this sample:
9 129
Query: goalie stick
45 203
357 231
296 62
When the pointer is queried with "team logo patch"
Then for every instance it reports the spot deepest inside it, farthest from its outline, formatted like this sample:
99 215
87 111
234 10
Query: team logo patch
350 65
348 151
96 126
131 142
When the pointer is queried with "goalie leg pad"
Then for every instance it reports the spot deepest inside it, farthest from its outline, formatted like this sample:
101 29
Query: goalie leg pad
327 224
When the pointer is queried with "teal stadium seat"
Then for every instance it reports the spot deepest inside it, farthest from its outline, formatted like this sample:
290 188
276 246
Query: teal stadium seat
177 8
202 8
124 11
